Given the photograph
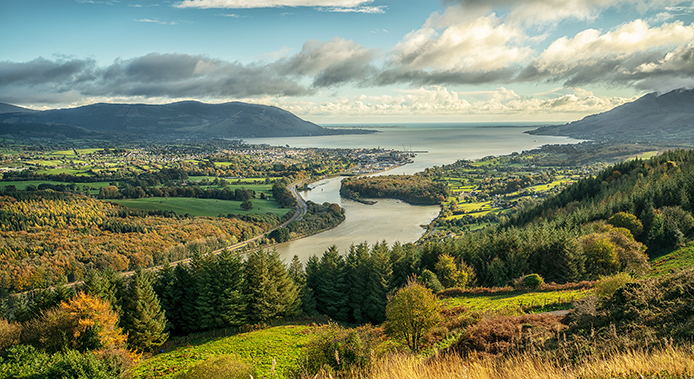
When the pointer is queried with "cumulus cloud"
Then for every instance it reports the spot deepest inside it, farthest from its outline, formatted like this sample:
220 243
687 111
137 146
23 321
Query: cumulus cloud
234 4
452 49
330 63
532 12
631 53
439 102
153 75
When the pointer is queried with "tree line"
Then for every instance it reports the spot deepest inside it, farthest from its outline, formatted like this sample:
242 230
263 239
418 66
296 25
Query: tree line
413 189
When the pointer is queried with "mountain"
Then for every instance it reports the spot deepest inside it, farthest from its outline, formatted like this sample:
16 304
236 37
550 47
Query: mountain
9 108
187 119
665 118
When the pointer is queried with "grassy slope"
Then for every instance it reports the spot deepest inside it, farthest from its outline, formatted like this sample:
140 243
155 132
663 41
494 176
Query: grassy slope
672 262
515 302
258 348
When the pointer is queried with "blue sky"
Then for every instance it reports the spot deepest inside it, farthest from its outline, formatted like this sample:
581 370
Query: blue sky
351 61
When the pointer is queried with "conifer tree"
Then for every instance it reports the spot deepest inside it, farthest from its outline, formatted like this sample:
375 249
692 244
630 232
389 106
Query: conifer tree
331 287
357 275
380 273
166 288
145 320
269 290
229 283
405 263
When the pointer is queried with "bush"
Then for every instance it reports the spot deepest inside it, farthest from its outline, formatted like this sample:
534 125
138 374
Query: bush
501 335
224 367
609 284
532 281
337 351
429 280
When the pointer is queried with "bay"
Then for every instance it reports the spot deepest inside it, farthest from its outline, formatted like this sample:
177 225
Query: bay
393 220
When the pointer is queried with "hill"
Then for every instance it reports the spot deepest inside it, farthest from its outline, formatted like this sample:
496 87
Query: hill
187 120
667 118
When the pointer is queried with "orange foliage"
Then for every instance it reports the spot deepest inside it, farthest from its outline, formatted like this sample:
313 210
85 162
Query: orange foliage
90 312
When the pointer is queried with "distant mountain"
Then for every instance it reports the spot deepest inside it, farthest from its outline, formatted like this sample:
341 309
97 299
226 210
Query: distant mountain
9 108
665 118
187 119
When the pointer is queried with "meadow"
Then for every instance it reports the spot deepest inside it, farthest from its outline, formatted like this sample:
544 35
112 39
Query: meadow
282 343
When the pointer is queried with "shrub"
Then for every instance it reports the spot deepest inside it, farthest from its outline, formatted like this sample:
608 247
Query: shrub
9 334
339 351
501 335
224 367
609 284
429 280
532 281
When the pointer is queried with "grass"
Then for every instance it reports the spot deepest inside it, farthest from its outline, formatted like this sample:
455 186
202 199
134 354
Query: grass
515 302
677 260
202 207
284 343
673 362
22 185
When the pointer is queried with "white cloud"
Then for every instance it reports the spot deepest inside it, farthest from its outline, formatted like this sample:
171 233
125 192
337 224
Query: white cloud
369 10
155 21
234 4
440 102
628 38
533 12
482 44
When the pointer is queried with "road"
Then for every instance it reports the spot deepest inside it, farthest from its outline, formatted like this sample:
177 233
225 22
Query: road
301 209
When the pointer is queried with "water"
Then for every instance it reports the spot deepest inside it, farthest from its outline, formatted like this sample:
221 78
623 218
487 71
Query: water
394 220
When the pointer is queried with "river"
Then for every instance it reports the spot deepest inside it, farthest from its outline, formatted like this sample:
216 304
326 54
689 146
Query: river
394 220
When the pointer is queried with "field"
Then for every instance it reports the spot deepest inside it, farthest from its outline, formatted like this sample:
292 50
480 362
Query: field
202 207
283 343
677 260
516 302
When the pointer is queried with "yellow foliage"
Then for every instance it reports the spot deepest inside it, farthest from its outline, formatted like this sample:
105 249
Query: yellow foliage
93 313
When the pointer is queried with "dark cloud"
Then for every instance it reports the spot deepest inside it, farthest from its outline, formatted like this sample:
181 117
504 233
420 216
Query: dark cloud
331 63
616 69
153 75
443 77
42 70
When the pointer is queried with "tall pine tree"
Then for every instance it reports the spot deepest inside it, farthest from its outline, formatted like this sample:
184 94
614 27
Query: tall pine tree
145 320
269 290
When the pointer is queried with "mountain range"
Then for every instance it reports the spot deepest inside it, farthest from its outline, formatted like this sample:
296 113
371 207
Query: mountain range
181 120
665 118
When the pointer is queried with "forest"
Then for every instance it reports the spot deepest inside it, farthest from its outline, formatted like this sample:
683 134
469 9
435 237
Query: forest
596 239
413 189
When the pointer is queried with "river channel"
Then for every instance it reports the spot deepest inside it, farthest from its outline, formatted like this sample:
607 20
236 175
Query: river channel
394 220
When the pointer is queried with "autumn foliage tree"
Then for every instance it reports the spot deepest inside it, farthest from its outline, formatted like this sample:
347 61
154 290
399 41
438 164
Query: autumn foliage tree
411 313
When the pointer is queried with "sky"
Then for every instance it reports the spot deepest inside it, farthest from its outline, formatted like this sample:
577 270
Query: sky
350 61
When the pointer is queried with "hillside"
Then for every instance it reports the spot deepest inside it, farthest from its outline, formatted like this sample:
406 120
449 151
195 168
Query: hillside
187 119
665 118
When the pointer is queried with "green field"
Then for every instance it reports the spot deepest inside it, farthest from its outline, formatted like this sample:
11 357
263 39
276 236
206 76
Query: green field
202 207
677 260
284 343
514 302
22 185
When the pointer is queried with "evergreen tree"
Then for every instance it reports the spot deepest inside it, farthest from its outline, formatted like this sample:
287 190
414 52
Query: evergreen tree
357 275
329 285
165 288
229 284
380 273
270 292
405 262
145 320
